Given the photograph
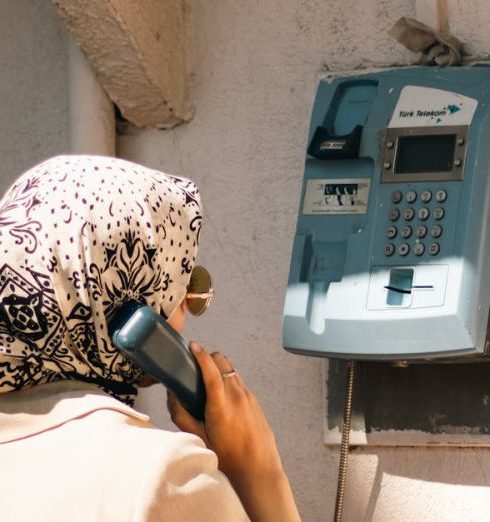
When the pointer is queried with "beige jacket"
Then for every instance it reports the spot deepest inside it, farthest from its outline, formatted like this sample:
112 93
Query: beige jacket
69 452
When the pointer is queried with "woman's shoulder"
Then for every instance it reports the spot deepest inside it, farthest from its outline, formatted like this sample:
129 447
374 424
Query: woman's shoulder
172 473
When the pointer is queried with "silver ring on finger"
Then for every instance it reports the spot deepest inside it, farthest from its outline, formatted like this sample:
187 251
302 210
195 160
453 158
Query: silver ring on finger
231 373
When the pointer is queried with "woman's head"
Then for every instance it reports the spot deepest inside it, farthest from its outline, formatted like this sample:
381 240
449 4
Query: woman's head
79 236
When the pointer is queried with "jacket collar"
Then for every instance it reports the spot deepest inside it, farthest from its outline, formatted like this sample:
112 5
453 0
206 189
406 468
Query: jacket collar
45 406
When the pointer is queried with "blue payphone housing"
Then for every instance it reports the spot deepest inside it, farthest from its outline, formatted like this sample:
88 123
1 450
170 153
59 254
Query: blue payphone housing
391 253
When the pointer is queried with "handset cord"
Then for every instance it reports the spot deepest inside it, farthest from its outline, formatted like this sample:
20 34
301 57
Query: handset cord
344 446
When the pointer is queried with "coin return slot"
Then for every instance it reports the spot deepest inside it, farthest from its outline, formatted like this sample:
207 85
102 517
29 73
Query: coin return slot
400 287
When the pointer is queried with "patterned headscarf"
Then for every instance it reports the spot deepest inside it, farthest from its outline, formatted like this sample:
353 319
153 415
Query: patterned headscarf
79 236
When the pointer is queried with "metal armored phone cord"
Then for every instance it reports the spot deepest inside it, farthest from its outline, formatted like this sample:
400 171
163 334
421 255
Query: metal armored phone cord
344 446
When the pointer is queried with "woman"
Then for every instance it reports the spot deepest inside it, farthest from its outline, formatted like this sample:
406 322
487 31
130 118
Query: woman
80 236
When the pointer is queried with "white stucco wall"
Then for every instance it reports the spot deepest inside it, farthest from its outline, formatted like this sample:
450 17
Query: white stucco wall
34 111
51 102
254 70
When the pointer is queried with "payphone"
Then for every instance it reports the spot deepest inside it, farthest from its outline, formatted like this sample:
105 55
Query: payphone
390 258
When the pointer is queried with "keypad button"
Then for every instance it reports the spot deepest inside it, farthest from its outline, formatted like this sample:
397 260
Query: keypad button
394 214
438 213
441 195
408 213
406 232
421 231
396 197
434 249
418 249
423 213
391 232
389 249
411 196
426 196
404 249
436 231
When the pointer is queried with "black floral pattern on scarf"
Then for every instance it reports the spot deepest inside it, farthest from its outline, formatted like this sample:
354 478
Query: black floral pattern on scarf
80 235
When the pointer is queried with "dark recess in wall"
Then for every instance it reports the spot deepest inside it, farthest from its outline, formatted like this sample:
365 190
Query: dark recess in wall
437 399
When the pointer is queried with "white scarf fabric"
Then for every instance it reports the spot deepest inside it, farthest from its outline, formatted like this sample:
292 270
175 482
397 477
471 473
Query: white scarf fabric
79 236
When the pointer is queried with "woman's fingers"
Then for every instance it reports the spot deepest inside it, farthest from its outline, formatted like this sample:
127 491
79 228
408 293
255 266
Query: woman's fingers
225 367
211 375
182 418
221 362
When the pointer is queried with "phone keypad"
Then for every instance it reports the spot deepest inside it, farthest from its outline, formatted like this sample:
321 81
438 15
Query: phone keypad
434 249
396 197
406 231
404 249
411 196
391 232
436 231
409 216
438 213
441 196
394 214
419 249
421 231
389 249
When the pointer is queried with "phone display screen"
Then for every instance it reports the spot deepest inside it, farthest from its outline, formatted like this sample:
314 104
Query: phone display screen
432 153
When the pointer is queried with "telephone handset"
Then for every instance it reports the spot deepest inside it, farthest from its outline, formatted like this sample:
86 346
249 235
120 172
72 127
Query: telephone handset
153 345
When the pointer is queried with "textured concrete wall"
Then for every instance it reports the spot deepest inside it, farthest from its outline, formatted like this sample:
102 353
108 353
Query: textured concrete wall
136 49
34 113
255 68
51 102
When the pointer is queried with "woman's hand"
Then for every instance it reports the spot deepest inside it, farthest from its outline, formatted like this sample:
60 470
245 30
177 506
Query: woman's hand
236 430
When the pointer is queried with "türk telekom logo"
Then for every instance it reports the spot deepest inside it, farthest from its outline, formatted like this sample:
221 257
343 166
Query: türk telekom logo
435 115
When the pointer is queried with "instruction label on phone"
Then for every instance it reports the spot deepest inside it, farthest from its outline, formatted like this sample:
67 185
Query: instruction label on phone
336 196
